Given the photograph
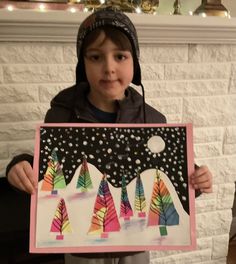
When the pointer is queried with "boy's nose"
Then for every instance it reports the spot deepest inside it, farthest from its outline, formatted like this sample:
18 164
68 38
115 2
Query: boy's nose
109 65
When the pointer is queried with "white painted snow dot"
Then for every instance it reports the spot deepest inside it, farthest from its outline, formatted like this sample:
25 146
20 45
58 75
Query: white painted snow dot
109 150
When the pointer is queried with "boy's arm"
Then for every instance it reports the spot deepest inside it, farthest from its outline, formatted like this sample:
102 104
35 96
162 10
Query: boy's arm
19 172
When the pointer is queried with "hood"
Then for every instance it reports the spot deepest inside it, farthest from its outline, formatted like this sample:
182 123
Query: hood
108 17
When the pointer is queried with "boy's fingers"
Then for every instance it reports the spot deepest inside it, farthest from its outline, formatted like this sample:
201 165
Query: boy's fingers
24 179
203 188
22 187
206 190
201 185
15 180
18 176
202 179
30 174
201 175
200 171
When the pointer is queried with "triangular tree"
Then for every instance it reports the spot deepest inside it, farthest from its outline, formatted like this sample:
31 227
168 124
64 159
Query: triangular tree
53 178
162 210
84 181
60 223
104 219
140 200
126 210
97 222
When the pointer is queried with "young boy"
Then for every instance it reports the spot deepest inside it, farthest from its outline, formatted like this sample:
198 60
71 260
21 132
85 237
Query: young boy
108 61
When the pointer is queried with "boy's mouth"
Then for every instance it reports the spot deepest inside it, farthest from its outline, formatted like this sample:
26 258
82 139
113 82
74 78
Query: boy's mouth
108 81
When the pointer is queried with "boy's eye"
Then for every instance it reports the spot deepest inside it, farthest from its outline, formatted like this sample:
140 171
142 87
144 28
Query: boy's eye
121 57
93 57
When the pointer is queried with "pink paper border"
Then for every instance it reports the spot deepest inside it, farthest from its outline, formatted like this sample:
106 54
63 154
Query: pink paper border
94 249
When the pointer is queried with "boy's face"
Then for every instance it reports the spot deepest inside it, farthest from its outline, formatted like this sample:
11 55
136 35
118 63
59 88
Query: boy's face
109 70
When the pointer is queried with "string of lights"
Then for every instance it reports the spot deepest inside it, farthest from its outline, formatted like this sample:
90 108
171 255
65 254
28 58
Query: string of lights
207 7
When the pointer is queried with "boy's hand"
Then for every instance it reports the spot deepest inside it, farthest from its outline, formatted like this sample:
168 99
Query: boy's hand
21 176
202 179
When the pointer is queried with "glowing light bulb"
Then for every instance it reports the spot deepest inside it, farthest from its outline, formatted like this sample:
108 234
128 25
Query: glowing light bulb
190 13
227 14
85 10
138 10
72 10
102 2
203 14
10 8
42 7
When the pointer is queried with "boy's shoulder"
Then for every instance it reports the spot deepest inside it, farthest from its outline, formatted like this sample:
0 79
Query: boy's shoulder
68 96
152 114
63 104
64 96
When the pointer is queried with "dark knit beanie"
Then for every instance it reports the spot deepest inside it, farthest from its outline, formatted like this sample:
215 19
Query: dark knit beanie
108 17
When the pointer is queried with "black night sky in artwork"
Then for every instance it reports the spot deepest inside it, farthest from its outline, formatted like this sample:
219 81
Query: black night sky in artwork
119 150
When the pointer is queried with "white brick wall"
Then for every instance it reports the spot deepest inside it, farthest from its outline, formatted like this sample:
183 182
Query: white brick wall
188 83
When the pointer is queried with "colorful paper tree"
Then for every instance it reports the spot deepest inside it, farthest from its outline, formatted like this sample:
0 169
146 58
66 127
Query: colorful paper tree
53 178
140 200
125 207
162 210
84 182
60 223
104 219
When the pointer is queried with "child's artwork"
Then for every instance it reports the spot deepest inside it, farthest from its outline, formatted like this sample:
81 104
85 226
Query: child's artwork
104 188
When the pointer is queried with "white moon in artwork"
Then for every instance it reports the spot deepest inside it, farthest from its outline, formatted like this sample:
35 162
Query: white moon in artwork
156 144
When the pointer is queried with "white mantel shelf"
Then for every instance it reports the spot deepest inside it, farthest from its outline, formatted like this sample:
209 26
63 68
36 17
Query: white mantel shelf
62 26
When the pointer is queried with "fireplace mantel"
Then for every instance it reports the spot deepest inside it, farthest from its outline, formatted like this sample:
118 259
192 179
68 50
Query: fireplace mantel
62 26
